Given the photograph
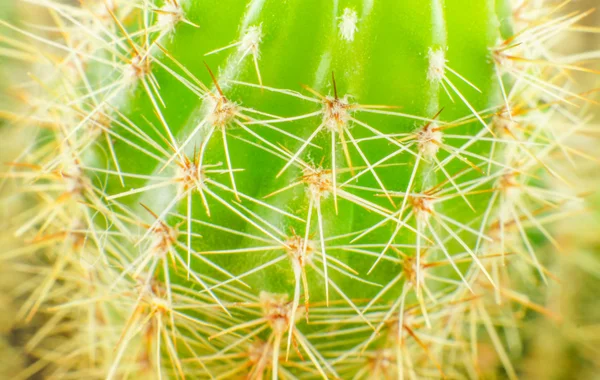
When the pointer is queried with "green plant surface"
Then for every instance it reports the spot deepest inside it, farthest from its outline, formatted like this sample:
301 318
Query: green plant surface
300 188
319 52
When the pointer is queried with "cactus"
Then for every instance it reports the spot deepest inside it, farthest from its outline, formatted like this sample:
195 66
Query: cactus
301 188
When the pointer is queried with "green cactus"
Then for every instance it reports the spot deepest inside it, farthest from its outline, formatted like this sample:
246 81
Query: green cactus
300 188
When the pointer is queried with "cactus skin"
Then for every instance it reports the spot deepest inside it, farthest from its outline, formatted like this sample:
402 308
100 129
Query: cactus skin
165 256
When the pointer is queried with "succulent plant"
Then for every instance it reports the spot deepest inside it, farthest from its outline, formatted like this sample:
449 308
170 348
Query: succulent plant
300 188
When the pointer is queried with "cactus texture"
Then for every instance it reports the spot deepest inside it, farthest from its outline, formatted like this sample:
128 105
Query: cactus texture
286 189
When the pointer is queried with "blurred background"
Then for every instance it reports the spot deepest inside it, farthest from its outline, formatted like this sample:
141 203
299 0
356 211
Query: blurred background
566 350
571 349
